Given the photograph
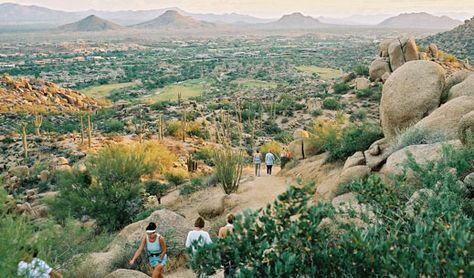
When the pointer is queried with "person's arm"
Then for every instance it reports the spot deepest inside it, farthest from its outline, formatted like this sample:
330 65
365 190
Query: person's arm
138 252
55 274
188 240
163 248
208 239
222 232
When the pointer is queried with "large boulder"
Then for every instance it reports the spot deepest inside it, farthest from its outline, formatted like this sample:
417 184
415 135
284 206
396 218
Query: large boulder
127 273
212 208
354 173
421 154
377 154
303 148
456 78
411 93
401 51
378 68
466 124
445 120
465 88
432 51
169 224
383 47
362 83
355 160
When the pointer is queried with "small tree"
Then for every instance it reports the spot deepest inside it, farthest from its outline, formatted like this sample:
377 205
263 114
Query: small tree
229 165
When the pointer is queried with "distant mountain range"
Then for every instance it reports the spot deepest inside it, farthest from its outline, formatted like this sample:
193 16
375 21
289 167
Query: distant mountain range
173 20
91 23
38 18
294 21
420 21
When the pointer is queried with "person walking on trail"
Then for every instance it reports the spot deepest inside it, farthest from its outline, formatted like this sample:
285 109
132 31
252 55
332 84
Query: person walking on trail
229 268
33 267
201 237
156 249
269 160
257 160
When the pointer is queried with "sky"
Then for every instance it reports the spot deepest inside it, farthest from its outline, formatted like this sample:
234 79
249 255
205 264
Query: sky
268 8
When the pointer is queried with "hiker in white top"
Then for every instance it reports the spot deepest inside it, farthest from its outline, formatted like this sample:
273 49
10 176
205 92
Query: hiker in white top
32 267
201 237
257 160
229 268
269 160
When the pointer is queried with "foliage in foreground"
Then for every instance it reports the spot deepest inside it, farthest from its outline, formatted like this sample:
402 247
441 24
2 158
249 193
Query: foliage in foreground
286 239
110 191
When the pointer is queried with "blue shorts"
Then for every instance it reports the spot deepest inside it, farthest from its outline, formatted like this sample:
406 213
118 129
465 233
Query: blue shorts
155 260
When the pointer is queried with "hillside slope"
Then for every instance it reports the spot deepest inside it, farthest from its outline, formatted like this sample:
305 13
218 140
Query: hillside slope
20 94
91 23
173 20
420 21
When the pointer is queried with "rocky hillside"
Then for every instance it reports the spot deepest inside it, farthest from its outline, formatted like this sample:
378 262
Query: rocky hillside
174 20
421 21
91 23
459 41
21 94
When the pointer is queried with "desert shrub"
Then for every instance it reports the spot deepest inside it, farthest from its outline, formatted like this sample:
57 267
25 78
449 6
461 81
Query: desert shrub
176 176
271 127
156 188
365 93
353 138
272 146
193 186
113 126
447 57
178 129
415 136
341 88
316 113
361 70
204 154
321 129
284 137
331 104
436 241
161 105
360 114
228 169
110 191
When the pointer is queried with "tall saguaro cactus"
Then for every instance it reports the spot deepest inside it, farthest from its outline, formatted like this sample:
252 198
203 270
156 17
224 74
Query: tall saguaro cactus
38 122
90 129
160 127
81 117
24 141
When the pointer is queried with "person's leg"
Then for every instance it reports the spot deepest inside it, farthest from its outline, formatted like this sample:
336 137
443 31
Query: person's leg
270 169
157 272
258 167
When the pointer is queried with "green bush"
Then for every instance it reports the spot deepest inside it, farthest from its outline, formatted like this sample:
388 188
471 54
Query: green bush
193 186
113 126
316 113
331 104
109 192
289 239
156 188
353 138
284 137
361 70
415 136
365 93
175 178
229 166
341 88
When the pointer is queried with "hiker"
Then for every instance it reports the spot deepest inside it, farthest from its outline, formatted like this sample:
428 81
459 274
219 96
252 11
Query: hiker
284 158
32 267
269 160
199 236
229 269
257 160
156 249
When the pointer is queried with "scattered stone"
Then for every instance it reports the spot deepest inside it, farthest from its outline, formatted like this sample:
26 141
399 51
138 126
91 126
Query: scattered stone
378 68
127 273
362 83
355 160
212 208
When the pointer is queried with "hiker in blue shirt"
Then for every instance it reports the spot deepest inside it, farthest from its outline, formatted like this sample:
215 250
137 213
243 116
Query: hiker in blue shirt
269 160
257 160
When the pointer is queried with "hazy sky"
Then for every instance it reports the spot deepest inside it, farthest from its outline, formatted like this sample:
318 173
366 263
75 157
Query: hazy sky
268 8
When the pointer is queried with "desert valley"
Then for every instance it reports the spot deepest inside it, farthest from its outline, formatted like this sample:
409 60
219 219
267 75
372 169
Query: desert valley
110 120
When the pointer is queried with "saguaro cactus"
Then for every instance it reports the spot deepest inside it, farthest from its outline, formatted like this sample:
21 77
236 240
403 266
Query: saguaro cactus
90 129
23 137
179 99
184 123
160 127
38 122
82 128
192 165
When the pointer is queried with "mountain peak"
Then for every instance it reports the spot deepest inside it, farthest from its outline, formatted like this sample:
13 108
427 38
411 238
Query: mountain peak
172 19
421 20
91 23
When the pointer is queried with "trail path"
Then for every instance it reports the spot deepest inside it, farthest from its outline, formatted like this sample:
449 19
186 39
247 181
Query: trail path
254 193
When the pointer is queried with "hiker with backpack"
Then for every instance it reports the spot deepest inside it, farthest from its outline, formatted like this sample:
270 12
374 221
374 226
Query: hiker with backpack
156 249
